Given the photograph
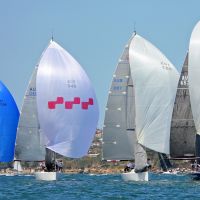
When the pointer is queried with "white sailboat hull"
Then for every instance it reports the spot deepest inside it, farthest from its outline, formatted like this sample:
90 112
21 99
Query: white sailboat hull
132 176
46 176
17 166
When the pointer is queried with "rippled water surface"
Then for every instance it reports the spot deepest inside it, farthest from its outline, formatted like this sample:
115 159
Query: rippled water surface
80 186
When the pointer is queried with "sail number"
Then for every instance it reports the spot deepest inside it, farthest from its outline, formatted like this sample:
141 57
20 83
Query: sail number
2 102
166 66
117 88
184 80
71 84
32 91
117 80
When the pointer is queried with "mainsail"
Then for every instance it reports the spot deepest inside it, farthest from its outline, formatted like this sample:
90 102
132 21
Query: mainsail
119 122
194 81
9 116
183 132
28 144
67 104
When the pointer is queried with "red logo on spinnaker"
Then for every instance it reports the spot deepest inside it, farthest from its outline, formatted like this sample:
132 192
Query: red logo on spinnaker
69 104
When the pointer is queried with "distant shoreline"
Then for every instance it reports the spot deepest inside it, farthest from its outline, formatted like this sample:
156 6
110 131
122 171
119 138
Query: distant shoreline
94 170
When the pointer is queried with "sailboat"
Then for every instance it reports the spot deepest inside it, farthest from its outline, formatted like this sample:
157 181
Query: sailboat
194 82
9 116
139 107
60 110
183 135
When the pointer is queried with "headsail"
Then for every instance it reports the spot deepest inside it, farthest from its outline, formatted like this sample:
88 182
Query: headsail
155 80
183 132
194 81
140 158
9 116
67 105
194 74
119 122
28 144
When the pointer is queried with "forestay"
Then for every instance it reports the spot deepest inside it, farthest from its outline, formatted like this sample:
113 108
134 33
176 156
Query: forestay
67 105
155 80
9 116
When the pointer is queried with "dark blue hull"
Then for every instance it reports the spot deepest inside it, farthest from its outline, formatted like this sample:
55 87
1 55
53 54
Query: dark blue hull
195 176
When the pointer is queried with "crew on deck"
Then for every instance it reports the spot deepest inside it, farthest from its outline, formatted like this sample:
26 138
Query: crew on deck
129 167
195 166
42 166
59 165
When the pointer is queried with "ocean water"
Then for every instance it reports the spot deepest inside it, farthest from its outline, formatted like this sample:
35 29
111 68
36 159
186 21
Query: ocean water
85 186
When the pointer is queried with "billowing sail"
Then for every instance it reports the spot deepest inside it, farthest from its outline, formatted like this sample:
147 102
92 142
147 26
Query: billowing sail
28 144
66 101
183 132
194 74
119 122
140 158
155 80
9 116
194 81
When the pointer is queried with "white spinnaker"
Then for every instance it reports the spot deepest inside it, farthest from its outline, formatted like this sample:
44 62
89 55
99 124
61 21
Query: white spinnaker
155 80
69 127
193 75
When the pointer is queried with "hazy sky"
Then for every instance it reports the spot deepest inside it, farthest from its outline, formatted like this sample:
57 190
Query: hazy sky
94 32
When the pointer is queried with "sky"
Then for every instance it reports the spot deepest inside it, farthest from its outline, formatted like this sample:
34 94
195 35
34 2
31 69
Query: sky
94 32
